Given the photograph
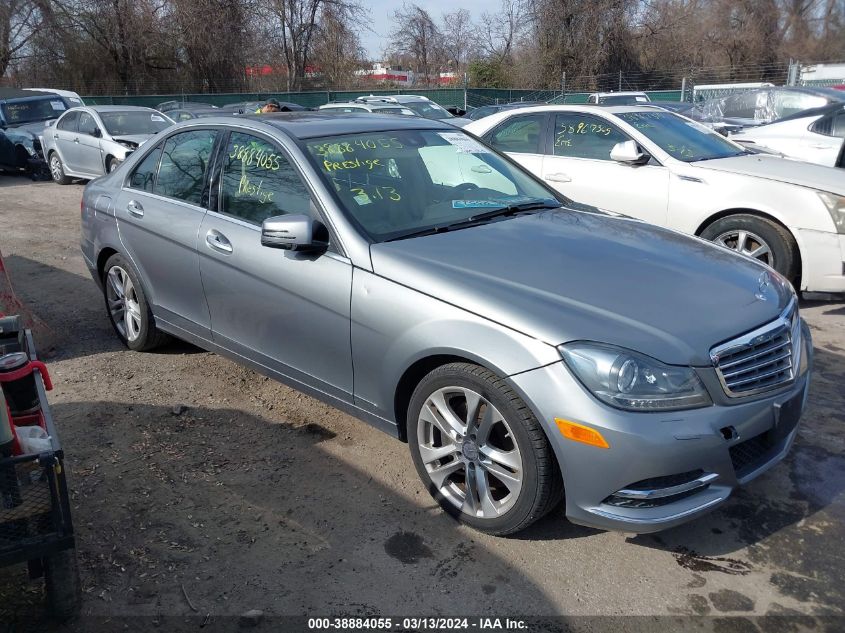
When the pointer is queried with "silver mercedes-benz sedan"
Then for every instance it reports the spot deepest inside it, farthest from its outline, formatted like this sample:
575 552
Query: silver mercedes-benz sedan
91 141
527 348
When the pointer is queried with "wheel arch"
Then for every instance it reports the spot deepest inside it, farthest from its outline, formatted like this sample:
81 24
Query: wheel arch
715 217
412 376
102 258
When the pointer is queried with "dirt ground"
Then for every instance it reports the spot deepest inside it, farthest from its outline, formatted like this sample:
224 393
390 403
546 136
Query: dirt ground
201 490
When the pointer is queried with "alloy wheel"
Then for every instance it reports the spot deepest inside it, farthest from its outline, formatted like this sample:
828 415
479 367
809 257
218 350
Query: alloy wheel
56 168
124 307
470 452
746 243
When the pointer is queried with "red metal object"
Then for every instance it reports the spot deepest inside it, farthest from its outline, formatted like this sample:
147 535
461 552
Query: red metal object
26 370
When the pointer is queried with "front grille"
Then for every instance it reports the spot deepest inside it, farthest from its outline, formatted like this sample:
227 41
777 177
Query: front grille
763 359
748 455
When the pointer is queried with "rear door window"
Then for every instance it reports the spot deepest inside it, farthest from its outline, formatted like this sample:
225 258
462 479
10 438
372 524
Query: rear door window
144 175
520 134
184 164
68 122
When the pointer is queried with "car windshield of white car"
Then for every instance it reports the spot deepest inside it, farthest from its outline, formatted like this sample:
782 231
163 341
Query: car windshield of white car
396 184
130 123
681 139
31 110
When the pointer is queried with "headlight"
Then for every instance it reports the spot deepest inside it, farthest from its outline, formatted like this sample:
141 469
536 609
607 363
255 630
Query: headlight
836 207
632 381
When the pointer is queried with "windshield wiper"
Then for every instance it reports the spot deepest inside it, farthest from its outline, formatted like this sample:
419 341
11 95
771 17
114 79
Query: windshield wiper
529 205
474 220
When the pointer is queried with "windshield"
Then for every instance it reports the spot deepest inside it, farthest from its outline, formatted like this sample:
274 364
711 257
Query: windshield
18 112
682 139
428 110
399 183
130 123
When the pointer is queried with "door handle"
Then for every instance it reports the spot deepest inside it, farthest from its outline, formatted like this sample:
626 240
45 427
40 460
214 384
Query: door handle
76 140
558 178
56 136
218 241
135 208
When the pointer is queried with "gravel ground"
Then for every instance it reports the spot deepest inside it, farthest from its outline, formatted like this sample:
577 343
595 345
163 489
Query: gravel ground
202 489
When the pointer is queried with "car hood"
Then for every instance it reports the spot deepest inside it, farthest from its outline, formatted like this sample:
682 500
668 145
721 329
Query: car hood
565 275
780 170
31 130
132 138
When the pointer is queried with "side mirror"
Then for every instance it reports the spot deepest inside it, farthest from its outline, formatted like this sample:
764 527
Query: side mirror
629 152
97 133
294 233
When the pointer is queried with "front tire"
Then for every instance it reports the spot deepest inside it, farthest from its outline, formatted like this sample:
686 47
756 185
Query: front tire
127 306
111 164
57 170
759 238
480 450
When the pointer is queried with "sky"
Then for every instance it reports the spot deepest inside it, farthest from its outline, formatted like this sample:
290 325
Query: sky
381 23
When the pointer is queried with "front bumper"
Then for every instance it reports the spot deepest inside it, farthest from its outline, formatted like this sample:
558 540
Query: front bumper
822 260
718 448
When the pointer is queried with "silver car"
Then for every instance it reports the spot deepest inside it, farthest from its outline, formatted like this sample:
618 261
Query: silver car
91 141
523 345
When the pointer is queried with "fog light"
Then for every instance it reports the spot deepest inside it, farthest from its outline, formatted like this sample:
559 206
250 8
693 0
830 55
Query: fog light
580 433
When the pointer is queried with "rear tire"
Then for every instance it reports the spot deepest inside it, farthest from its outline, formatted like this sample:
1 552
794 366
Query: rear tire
757 237
127 306
502 472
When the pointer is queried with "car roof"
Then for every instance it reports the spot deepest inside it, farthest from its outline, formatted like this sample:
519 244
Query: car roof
116 108
589 107
312 123
17 93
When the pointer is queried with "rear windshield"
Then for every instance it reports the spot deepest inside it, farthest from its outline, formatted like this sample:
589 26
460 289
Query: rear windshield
17 112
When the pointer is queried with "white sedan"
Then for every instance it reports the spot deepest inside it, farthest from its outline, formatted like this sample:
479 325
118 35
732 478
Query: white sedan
668 170
817 136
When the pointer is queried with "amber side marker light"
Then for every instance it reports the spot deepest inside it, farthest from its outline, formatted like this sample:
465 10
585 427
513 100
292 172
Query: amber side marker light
581 433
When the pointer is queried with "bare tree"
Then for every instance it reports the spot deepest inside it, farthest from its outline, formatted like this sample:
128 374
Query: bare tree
293 26
18 22
459 36
416 36
337 50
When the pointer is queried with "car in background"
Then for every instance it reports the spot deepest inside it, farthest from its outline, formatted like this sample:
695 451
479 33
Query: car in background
817 136
763 105
250 107
23 115
91 141
166 106
183 114
422 106
72 98
486 110
670 171
618 98
401 270
357 106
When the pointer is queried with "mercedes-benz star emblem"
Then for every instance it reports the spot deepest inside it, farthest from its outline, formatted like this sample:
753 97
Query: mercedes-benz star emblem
762 286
